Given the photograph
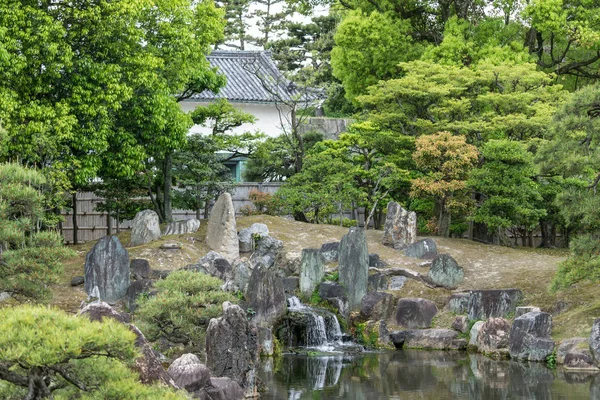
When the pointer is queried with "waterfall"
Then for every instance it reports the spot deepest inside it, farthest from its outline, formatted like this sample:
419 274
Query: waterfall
294 303
322 327
316 334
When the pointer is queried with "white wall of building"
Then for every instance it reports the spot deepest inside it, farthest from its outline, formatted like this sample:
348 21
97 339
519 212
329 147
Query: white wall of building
267 118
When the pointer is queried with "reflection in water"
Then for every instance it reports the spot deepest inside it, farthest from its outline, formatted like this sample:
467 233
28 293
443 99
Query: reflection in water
418 374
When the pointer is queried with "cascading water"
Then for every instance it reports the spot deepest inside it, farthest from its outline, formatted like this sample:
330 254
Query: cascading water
321 332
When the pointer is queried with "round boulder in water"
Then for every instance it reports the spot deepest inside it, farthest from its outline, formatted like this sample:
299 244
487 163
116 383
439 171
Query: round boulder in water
446 272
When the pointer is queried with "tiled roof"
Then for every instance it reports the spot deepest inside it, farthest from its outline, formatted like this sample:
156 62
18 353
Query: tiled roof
252 76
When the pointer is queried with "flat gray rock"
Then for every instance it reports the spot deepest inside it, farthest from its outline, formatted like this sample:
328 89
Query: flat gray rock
425 249
182 227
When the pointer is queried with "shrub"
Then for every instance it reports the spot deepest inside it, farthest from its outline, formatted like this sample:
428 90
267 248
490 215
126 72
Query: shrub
583 263
30 259
261 200
49 353
346 222
182 308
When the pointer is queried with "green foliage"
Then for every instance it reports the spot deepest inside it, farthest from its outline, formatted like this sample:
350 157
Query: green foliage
332 276
445 162
582 264
30 259
551 360
509 196
46 352
368 48
180 312
200 173
345 222
365 167
365 335
273 159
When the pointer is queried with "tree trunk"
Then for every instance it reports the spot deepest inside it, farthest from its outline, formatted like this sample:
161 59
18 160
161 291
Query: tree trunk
108 223
75 226
443 219
167 173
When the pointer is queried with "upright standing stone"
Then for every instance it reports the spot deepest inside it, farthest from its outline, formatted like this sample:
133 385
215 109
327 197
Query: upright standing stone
595 341
400 227
221 235
354 266
311 271
107 270
182 227
145 228
266 297
232 347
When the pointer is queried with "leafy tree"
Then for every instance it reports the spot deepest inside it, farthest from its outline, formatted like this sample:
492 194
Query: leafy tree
271 16
30 259
484 101
564 36
200 173
236 28
47 353
369 48
508 195
180 311
445 161
273 160
364 168
93 89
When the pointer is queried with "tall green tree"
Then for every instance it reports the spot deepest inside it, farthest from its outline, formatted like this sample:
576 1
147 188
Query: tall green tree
508 195
91 88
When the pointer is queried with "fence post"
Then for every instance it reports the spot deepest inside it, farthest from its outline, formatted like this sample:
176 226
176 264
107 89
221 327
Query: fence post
75 226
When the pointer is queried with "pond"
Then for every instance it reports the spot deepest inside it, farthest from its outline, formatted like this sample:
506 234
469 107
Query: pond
418 374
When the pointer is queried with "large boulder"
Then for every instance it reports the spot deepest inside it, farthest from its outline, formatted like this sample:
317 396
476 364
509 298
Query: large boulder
415 313
143 286
182 227
595 341
425 249
493 337
353 265
189 373
335 295
435 339
524 310
375 261
330 251
221 234
400 228
232 347
242 271
247 236
266 252
496 303
213 264
99 310
458 303
145 228
312 270
266 297
148 365
569 345
530 337
225 387
376 306
445 272
107 270
140 269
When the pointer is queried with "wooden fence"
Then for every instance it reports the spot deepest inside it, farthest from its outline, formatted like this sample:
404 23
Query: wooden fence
93 225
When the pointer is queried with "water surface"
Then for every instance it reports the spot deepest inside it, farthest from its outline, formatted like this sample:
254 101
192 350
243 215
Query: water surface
417 374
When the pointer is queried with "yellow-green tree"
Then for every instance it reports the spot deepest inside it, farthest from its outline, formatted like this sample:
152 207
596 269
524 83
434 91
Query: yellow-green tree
445 161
